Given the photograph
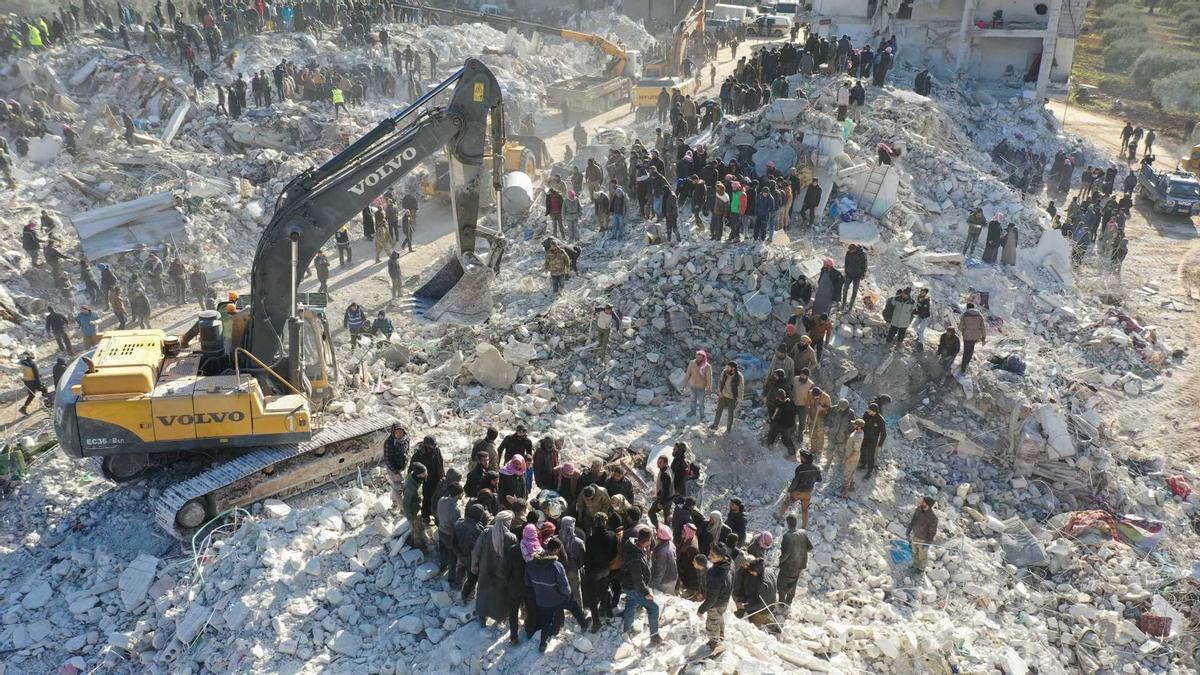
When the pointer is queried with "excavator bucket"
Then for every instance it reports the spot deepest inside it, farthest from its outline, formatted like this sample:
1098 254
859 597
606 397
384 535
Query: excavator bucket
460 292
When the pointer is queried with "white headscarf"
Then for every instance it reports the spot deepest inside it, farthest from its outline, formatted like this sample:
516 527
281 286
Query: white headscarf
499 527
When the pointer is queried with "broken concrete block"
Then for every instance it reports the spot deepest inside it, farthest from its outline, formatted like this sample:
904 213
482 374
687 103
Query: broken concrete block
644 396
491 369
43 150
426 571
411 624
189 625
38 596
346 643
273 508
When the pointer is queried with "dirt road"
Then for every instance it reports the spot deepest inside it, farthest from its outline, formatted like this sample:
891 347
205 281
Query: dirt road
1164 252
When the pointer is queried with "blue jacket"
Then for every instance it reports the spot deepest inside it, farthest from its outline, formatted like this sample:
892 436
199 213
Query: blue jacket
548 579
764 206
355 319
87 322
382 325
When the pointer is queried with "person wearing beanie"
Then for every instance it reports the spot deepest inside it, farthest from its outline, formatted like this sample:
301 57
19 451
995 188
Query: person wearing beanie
664 569
850 460
430 456
414 497
718 589
874 434
804 480
804 356
547 577
921 530
780 362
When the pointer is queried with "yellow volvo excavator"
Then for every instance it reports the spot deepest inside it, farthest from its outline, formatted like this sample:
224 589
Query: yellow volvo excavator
251 400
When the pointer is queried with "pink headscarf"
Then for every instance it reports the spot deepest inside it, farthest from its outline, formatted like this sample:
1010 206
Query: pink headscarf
791 329
570 194
689 532
530 546
765 540
703 356
547 531
566 469
664 533
828 262
999 216
515 466
736 186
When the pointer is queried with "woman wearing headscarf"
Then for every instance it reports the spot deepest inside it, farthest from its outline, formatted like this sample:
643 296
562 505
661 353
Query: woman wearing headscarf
714 532
992 246
545 458
487 563
572 557
512 481
531 544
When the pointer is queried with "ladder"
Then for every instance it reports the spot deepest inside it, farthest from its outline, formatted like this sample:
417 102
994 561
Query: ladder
870 193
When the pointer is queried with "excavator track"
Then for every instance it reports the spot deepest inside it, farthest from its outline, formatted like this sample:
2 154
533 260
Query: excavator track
271 471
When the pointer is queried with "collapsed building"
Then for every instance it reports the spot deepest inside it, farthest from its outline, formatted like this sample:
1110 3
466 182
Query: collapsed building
1028 573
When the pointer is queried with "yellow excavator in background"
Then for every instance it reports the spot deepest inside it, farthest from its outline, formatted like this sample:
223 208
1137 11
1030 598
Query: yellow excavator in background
249 394
1192 161
667 72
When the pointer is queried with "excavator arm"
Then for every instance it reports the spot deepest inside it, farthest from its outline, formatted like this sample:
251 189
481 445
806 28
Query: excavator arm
314 205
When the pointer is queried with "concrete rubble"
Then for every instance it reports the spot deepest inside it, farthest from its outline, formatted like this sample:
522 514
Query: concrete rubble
1022 579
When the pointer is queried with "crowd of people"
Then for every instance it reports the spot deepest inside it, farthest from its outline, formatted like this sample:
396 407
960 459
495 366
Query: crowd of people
528 535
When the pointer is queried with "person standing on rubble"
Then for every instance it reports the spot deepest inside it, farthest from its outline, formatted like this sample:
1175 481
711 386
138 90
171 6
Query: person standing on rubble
855 271
851 455
321 265
56 327
974 330
178 274
948 346
414 495
618 203
921 530
355 321
30 242
342 239
698 381
975 223
31 379
635 580
901 317
395 460
1009 256
812 199
729 395
793 559
874 434
992 246
718 589
338 100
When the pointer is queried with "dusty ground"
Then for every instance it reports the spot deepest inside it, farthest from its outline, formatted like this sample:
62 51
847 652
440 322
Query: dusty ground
1164 252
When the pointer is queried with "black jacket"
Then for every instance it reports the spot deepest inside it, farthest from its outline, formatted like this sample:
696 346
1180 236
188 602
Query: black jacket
665 492
515 445
948 345
619 487
737 524
468 529
806 477
856 264
718 587
635 567
875 430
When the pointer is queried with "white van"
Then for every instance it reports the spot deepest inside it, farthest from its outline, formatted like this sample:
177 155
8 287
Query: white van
772 25
734 13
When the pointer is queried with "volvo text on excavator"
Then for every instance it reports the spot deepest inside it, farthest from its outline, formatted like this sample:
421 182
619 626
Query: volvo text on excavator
250 393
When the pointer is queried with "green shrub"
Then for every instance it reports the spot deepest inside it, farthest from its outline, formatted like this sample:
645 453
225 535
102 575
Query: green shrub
1121 15
1179 91
1174 6
1160 62
1189 27
1190 14
1120 55
1127 30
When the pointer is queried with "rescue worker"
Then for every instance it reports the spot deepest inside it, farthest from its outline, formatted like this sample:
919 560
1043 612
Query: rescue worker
31 378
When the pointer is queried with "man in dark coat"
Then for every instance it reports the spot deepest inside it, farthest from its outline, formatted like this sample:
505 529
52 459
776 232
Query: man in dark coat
517 443
429 454
874 434
793 559
466 534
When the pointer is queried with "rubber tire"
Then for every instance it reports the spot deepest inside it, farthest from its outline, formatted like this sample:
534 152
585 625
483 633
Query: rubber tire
124 467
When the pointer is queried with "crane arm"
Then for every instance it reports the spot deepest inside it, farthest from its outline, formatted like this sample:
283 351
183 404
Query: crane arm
312 207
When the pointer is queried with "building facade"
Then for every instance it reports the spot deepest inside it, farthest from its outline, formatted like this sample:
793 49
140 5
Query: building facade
1011 40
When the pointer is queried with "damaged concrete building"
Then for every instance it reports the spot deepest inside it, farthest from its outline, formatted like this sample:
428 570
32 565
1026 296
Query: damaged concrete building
990 40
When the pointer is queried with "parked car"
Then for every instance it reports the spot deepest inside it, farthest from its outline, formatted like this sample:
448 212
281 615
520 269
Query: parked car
772 25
